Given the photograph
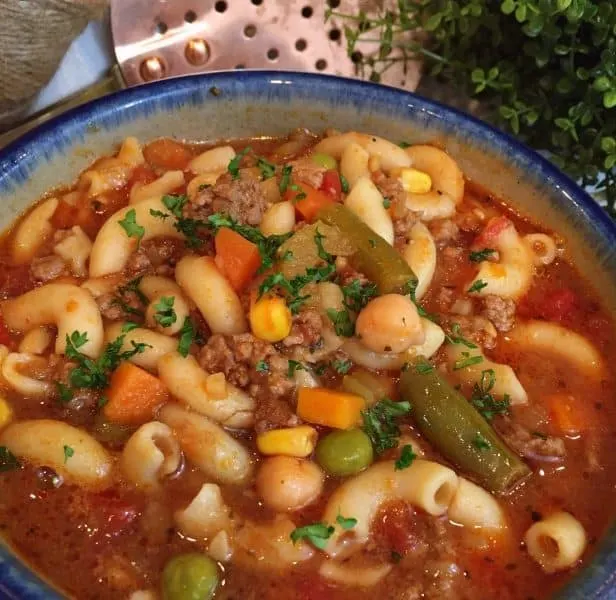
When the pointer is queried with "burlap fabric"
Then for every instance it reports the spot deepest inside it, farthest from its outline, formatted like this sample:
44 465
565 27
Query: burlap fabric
34 36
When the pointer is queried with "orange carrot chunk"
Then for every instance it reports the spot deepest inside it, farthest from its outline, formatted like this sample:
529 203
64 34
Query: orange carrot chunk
236 257
133 395
167 154
308 201
329 407
566 416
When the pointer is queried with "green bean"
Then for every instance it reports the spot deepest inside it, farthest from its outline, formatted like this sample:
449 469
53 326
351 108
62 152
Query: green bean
455 428
190 577
373 256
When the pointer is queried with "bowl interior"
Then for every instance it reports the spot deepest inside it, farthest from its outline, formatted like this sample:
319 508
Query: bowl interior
225 105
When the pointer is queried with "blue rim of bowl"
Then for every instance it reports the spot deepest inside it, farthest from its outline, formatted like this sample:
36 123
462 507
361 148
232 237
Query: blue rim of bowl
598 578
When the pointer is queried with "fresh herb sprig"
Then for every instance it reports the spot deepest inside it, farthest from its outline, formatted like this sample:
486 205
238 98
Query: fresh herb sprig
380 423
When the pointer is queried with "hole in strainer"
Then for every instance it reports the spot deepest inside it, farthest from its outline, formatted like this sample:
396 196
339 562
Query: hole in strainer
333 3
220 6
307 12
161 27
250 31
190 16
272 54
334 35
356 56
321 64
257 2
240 66
301 45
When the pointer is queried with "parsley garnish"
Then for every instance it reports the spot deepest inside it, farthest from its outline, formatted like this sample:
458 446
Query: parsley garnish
481 255
187 226
456 337
262 367
344 184
159 214
133 286
268 170
386 202
341 319
91 373
165 315
234 163
187 337
68 452
481 443
358 294
346 523
65 393
320 369
423 368
175 204
404 145
285 178
407 456
477 286
317 534
131 227
294 365
484 401
396 557
380 423
8 461
342 366
467 361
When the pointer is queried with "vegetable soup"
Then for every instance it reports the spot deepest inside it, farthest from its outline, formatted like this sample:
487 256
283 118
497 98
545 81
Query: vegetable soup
324 367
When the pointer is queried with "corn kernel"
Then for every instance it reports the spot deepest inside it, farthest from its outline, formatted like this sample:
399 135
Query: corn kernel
6 413
270 319
415 182
293 441
216 386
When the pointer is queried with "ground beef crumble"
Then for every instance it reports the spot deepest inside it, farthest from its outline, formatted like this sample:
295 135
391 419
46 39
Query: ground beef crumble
500 311
527 444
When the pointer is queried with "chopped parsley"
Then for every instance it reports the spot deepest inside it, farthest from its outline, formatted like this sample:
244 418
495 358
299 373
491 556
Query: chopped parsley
344 184
317 534
94 374
342 366
380 423
357 294
407 456
133 286
404 145
68 452
187 337
480 442
481 255
294 365
165 315
477 286
396 557
346 523
300 193
423 368
386 202
65 393
285 179
8 461
159 214
175 204
320 369
268 170
341 319
131 227
262 367
483 400
234 164
467 361
455 337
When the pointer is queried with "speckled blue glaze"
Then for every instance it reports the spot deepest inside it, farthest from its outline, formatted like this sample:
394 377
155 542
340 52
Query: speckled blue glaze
264 102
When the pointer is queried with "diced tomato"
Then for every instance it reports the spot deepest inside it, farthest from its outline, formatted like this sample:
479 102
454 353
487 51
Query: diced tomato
111 514
396 528
167 154
488 237
65 215
557 305
142 174
312 587
332 185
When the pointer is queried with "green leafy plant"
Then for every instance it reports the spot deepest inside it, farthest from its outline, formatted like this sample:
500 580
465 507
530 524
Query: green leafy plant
545 70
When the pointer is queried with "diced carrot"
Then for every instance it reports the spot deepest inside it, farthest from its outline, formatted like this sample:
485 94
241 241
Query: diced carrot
309 205
329 407
65 215
141 174
488 237
167 154
238 258
566 416
133 395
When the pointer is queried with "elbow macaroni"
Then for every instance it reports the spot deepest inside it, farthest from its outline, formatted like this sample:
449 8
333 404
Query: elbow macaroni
33 231
206 515
154 287
420 254
366 202
75 250
162 186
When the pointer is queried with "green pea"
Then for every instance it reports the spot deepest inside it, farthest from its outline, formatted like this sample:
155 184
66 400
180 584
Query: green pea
344 453
190 577
324 160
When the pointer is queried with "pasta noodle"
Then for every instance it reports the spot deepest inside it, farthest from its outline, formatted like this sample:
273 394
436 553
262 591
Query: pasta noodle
165 184
420 254
28 386
75 250
206 515
473 507
556 542
364 576
543 248
354 163
208 446
189 384
36 341
33 231
212 161
366 202
154 288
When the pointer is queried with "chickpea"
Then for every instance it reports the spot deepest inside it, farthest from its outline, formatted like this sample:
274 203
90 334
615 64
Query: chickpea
286 483
389 323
